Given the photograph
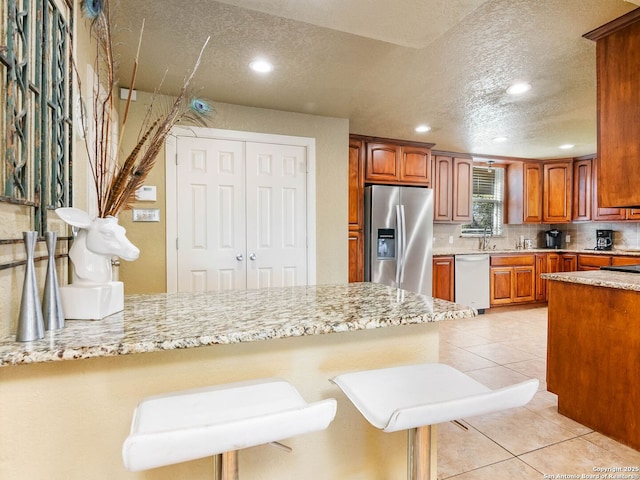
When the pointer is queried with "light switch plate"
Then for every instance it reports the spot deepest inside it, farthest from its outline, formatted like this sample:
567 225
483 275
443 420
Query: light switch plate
146 214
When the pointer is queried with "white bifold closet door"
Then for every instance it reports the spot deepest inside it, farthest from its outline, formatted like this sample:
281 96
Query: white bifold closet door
241 214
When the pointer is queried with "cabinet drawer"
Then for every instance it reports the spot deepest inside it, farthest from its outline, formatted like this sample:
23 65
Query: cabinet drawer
593 261
512 260
624 260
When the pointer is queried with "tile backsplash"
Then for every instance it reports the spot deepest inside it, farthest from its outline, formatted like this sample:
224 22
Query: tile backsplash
582 236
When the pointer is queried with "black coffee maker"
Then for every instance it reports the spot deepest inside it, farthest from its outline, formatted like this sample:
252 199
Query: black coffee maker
604 239
553 238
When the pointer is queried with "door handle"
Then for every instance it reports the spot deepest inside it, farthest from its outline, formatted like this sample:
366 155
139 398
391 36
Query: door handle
404 245
399 252
240 257
252 256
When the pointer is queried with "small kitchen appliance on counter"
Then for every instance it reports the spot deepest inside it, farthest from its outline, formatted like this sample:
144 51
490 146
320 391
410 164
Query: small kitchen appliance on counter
553 238
604 239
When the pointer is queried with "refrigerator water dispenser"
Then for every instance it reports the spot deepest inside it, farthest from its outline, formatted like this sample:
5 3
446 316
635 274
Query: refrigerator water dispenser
386 243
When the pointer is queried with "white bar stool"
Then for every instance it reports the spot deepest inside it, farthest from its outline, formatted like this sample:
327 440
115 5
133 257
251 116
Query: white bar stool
414 397
219 420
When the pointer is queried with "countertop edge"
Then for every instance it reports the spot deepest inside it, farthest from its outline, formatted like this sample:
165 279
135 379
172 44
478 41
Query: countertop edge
45 350
598 278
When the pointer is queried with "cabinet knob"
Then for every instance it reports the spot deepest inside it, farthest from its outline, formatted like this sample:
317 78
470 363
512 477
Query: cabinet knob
240 257
252 256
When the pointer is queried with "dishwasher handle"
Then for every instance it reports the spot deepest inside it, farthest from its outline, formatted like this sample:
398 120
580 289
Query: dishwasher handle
472 258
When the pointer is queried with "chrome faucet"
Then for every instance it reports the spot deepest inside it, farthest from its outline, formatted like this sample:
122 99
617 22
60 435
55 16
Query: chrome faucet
487 233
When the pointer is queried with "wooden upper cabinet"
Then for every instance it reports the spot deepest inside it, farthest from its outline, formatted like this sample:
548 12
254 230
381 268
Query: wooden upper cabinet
633 213
532 197
539 192
557 187
452 185
398 164
462 190
443 188
356 184
602 213
383 162
618 64
415 165
582 188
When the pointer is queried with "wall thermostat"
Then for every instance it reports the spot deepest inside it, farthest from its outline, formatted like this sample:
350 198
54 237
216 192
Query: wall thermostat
146 193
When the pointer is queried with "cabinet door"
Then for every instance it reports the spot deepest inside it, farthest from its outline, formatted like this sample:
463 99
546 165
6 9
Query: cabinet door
582 195
524 284
415 165
556 187
383 161
601 213
501 285
442 186
618 64
356 184
356 256
462 190
541 283
532 199
569 262
554 263
443 278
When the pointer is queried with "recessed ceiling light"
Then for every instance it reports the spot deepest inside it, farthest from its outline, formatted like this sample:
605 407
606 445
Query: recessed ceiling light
519 88
261 66
567 146
423 128
499 139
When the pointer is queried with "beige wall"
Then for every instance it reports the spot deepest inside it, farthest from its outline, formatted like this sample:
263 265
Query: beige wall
67 420
148 273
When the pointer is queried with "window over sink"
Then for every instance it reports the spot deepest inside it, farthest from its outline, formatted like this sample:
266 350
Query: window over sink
488 202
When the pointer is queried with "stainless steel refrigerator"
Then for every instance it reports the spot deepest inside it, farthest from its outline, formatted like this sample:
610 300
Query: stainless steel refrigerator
399 237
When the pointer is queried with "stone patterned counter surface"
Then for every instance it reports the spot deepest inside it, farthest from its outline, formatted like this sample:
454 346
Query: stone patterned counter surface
598 278
184 320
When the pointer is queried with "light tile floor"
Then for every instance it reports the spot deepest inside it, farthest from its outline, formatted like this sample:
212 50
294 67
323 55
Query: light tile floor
532 442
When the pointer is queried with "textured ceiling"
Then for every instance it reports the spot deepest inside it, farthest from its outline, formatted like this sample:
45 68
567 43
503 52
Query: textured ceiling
389 66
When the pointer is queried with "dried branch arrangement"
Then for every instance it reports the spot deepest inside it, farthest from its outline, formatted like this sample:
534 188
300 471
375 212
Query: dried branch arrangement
116 175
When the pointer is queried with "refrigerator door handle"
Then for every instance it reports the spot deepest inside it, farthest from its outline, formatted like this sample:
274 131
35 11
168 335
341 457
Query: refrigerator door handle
404 244
399 252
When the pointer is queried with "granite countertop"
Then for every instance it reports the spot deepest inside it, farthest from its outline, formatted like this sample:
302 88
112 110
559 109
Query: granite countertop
598 278
460 251
185 320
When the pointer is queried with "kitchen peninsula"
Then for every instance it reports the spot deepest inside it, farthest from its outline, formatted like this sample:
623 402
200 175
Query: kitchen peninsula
67 419
593 356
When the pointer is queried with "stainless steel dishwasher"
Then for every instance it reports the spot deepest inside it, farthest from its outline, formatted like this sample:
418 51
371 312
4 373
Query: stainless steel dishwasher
472 281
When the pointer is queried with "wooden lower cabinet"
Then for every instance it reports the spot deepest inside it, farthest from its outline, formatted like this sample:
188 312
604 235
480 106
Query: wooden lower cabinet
622 260
541 283
592 262
569 262
443 278
592 357
356 256
512 279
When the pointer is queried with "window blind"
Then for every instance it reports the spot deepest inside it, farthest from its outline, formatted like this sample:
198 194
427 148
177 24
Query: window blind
488 201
